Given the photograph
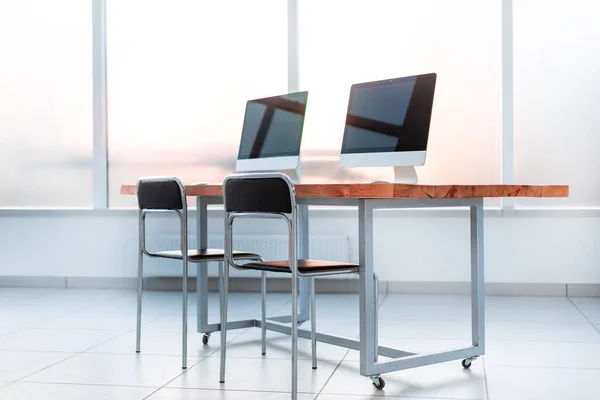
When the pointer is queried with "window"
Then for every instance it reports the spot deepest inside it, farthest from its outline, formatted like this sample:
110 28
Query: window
179 75
46 104
557 95
362 40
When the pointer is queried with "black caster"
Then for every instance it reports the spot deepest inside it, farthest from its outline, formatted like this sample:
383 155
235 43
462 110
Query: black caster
205 338
378 382
467 362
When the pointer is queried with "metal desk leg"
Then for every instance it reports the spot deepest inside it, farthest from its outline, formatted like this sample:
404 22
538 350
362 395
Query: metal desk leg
477 280
202 270
303 253
366 287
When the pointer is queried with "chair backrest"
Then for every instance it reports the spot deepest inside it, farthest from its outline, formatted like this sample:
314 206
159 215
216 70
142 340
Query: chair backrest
259 193
161 193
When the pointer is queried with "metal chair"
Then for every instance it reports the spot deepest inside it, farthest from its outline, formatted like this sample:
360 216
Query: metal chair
167 194
272 195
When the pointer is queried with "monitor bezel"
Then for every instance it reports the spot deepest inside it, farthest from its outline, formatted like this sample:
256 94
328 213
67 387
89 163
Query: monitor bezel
272 163
375 158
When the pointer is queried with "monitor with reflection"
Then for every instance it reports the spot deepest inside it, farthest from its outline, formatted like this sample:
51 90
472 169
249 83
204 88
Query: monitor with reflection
387 124
272 133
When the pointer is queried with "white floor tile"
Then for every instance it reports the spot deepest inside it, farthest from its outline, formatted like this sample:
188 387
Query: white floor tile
532 309
173 323
248 345
593 315
365 397
7 329
91 319
37 391
55 339
537 348
162 343
196 394
425 307
27 317
73 299
524 383
339 306
586 303
15 365
542 332
333 325
255 374
12 295
589 307
114 369
241 306
449 380
546 354
429 329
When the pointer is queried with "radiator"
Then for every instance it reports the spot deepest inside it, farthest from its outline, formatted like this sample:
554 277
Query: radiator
271 247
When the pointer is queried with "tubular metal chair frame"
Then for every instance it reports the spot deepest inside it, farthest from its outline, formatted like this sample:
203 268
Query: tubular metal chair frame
291 220
183 219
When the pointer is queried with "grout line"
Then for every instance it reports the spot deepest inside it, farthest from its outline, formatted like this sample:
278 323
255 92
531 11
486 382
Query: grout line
546 367
180 374
58 362
346 355
212 354
332 373
584 316
485 379
79 384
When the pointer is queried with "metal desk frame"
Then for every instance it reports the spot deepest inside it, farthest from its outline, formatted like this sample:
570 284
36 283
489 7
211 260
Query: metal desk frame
368 343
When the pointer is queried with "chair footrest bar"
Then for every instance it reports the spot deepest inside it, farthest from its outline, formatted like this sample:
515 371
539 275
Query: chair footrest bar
209 328
286 319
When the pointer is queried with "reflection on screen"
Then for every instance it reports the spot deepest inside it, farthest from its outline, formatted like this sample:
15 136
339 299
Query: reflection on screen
273 126
389 116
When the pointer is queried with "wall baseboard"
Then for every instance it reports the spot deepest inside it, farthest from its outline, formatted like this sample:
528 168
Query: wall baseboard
330 285
491 288
54 282
583 290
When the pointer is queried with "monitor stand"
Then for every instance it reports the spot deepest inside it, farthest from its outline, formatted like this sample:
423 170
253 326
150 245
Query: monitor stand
405 175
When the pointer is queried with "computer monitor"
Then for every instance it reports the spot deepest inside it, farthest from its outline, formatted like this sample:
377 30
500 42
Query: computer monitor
387 124
272 134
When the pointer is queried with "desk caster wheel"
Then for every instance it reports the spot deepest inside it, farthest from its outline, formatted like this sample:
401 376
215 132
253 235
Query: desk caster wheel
378 382
467 362
205 338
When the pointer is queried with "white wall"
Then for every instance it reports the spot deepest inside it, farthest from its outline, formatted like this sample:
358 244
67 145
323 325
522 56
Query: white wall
520 246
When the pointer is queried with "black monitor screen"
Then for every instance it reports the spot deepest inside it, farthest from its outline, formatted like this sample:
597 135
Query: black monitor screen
273 126
389 116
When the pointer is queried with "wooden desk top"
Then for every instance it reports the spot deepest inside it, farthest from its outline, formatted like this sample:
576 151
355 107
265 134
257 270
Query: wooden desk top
391 191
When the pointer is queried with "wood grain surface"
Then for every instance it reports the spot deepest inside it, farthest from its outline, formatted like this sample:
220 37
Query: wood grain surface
391 191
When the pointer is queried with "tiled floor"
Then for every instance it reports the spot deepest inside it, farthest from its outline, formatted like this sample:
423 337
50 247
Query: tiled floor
79 344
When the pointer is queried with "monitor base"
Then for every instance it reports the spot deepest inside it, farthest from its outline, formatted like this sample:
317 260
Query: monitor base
294 174
405 175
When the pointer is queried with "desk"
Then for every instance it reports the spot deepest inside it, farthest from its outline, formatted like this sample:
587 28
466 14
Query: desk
368 198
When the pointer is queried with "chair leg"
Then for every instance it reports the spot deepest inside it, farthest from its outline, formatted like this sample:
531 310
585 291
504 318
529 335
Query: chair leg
263 320
184 317
294 338
138 327
313 324
223 292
